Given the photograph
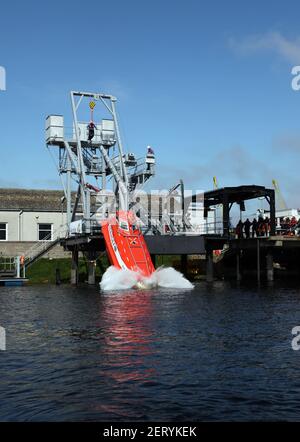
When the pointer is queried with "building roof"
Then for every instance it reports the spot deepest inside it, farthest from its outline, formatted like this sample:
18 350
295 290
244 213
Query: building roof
236 194
40 200
31 199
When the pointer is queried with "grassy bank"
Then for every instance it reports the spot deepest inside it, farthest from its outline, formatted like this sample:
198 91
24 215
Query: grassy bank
44 271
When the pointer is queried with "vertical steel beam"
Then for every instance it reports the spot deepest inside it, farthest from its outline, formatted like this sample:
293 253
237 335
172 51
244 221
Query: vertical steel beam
272 212
79 156
121 153
258 260
69 202
238 265
226 216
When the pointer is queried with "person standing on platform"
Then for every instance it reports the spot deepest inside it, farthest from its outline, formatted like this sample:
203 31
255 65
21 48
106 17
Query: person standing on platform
239 229
91 130
261 226
254 228
247 225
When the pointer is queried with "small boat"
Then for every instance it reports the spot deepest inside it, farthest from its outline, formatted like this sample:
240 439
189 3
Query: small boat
125 244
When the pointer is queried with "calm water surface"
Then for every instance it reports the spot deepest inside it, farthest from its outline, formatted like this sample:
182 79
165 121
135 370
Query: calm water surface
215 353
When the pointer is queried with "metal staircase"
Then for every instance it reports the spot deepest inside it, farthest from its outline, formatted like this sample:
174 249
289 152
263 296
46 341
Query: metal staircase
40 248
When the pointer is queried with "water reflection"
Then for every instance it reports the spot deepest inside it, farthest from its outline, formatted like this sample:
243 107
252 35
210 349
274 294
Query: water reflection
217 352
128 329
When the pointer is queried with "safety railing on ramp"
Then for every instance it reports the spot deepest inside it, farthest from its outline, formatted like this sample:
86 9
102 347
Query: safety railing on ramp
43 246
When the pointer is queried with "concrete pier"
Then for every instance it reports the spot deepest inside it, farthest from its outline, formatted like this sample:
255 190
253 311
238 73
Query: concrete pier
91 267
74 267
91 272
270 267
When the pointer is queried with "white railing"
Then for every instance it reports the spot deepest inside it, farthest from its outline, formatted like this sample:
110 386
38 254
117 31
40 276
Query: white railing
45 243
166 226
7 264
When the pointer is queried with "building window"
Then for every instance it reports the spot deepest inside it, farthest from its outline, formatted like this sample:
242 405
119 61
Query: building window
45 232
3 231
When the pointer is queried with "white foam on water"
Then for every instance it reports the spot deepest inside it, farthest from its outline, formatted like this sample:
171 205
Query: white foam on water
118 279
166 277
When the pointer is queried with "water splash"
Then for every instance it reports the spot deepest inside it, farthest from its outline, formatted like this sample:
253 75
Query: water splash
166 277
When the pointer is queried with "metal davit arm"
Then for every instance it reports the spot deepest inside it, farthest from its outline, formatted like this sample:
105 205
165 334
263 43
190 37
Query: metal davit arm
123 191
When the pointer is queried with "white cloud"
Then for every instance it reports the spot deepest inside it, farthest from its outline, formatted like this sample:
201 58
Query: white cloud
233 166
287 143
275 42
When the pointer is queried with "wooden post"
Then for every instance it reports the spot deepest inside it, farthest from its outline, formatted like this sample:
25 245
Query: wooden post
74 267
184 261
209 266
57 276
270 267
238 265
258 260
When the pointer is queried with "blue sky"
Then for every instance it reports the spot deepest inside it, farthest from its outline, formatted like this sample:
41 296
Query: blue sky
207 84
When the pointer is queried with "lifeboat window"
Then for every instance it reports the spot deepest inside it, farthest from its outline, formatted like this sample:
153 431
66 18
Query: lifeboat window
124 225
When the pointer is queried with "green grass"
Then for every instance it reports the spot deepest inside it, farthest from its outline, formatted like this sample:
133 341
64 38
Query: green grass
44 270
167 260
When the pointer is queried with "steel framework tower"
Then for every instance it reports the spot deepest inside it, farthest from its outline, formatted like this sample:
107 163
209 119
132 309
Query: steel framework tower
94 151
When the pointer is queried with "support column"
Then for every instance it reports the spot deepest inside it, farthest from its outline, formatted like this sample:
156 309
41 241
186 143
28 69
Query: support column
272 213
153 259
74 267
270 267
91 272
18 266
238 265
258 260
69 196
209 266
57 276
226 216
184 262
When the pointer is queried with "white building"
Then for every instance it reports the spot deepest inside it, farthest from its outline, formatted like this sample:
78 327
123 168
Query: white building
29 216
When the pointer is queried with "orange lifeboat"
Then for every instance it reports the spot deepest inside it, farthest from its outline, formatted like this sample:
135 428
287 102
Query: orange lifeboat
125 244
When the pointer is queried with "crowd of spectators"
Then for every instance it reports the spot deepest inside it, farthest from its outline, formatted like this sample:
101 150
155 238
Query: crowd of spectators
261 227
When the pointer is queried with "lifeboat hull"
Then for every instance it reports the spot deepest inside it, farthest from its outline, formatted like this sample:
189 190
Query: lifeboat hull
125 244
